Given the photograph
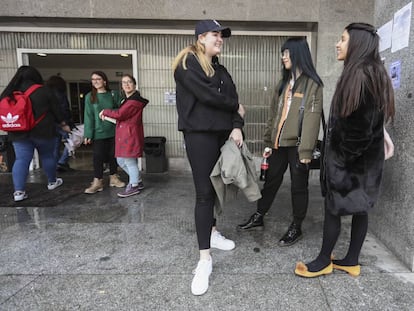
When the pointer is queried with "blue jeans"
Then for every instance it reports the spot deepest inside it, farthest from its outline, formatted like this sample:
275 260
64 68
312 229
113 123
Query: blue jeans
64 157
130 166
24 150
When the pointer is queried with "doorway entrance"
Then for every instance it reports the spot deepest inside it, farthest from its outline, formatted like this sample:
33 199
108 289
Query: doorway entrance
75 66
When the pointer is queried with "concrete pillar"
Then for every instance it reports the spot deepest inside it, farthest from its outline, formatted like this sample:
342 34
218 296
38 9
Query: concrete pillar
393 217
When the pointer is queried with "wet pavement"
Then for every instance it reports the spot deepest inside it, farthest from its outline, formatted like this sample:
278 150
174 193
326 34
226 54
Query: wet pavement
101 252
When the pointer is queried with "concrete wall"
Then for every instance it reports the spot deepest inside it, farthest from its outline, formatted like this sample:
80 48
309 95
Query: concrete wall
393 218
262 10
329 16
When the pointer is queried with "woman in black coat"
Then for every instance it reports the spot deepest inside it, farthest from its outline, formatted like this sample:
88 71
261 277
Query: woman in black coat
354 147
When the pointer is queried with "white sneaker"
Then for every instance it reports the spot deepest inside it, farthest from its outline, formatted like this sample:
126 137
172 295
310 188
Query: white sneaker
199 285
54 185
20 196
220 242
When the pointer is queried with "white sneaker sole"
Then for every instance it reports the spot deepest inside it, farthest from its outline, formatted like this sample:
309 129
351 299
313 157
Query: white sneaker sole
227 248
56 184
18 198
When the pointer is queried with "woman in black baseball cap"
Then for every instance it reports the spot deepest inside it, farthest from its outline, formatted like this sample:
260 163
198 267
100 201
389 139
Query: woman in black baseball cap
207 25
209 113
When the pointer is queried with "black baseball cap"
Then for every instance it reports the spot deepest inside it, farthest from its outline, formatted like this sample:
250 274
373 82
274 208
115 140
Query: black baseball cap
211 25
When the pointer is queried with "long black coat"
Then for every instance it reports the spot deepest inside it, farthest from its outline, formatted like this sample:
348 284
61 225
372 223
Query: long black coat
353 159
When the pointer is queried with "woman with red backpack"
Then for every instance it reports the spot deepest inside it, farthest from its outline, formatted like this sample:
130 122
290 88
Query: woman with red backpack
41 136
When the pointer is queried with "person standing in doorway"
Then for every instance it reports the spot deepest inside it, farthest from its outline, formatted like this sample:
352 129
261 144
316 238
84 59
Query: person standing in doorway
129 134
209 113
355 148
300 86
101 133
58 85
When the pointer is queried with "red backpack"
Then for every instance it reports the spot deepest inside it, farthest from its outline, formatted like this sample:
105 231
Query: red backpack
16 113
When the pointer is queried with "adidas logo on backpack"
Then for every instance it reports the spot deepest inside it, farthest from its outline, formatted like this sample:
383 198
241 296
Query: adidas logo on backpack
16 113
9 120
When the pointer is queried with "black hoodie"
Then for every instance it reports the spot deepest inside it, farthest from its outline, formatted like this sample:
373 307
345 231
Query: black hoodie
206 103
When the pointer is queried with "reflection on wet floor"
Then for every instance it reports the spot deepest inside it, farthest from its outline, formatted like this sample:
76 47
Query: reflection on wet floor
68 204
23 214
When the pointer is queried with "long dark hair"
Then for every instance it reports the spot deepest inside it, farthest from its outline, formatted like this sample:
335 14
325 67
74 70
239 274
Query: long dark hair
301 59
24 74
363 74
57 83
106 84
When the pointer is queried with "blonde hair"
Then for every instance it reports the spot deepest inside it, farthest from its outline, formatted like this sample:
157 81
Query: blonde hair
197 50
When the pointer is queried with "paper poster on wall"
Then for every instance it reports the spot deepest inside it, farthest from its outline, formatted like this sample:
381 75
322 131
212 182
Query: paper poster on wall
395 74
401 28
170 98
385 34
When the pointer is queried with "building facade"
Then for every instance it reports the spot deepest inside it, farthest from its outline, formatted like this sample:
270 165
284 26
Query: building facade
81 36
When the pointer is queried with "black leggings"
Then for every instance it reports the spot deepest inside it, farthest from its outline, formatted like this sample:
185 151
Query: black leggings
331 231
278 163
103 152
203 151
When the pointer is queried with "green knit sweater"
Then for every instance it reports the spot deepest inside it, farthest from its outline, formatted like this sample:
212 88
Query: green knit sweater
95 128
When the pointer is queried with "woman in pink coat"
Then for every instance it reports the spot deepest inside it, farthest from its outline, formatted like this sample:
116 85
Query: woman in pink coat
129 134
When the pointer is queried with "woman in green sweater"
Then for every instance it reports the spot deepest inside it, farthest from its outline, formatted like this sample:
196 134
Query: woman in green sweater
101 133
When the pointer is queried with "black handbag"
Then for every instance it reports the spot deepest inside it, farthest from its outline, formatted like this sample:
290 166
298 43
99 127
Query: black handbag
315 163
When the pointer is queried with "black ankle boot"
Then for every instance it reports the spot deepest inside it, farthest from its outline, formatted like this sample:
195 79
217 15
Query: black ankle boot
255 221
293 235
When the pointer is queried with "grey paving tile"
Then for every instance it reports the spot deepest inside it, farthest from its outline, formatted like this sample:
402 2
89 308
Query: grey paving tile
374 291
167 292
11 285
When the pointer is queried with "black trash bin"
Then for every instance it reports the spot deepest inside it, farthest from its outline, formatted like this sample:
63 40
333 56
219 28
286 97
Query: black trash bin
7 156
155 158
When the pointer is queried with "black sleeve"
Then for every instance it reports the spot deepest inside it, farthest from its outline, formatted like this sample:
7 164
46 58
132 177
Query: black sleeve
231 90
44 101
53 106
67 115
353 135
